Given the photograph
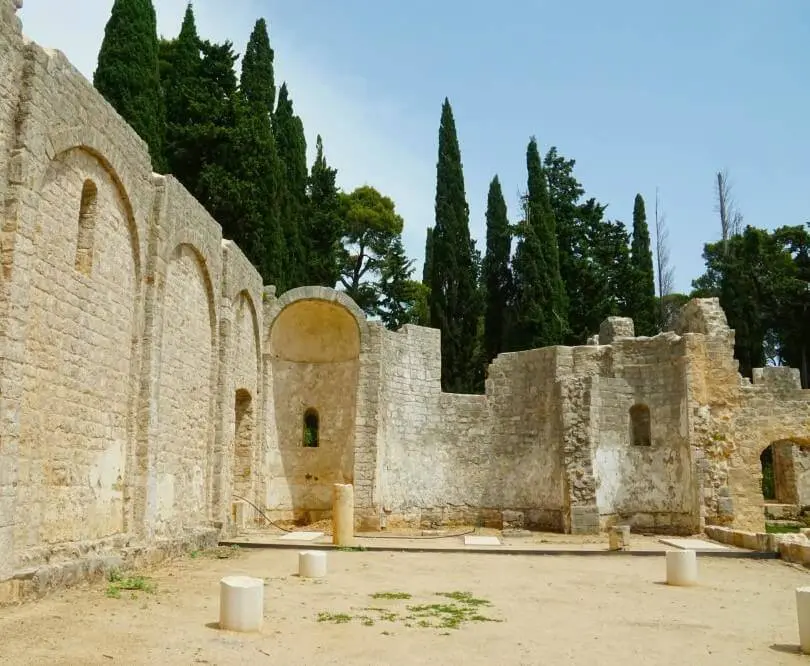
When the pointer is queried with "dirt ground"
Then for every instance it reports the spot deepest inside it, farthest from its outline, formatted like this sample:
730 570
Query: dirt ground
541 610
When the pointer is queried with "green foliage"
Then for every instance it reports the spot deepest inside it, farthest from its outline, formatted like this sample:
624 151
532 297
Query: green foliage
128 72
540 316
455 302
370 228
641 288
292 152
258 83
323 222
118 583
401 299
594 258
497 275
763 284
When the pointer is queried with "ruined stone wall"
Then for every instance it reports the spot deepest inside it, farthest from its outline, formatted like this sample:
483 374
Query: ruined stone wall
642 460
467 459
118 377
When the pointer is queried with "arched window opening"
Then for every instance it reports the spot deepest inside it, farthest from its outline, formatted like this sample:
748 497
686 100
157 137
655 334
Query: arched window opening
87 226
311 428
640 425
243 443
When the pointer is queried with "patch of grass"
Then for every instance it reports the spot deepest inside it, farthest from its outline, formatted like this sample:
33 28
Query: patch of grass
337 618
390 595
134 583
461 608
351 549
774 528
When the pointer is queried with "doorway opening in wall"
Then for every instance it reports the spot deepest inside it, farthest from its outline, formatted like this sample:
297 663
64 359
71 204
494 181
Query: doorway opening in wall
783 463
243 443
640 433
311 428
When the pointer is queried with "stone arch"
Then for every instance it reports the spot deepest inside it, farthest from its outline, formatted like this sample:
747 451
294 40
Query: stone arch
313 349
110 158
257 338
745 474
186 393
82 344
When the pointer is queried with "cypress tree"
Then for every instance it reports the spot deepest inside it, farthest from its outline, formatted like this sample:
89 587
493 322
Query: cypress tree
256 158
496 273
292 152
641 292
128 72
427 267
323 224
540 311
258 83
454 297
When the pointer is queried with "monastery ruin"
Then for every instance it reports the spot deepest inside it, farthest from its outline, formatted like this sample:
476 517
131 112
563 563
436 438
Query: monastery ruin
147 377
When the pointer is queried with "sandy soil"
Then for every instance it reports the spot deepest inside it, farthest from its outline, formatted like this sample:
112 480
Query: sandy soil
553 610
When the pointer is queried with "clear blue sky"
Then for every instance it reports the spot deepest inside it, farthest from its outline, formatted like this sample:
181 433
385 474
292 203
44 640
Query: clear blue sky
641 94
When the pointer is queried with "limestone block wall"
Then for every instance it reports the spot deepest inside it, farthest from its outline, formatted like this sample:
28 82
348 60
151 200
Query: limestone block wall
467 459
642 458
130 347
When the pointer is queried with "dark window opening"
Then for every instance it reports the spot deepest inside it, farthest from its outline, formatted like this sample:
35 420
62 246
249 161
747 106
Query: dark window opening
311 427
640 425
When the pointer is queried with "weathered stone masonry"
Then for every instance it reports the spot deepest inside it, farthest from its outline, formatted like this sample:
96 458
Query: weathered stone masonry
148 379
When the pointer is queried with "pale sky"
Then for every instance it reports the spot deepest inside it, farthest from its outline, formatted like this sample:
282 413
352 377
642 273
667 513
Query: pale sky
643 95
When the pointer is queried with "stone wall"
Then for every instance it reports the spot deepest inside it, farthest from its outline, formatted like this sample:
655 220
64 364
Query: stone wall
127 329
147 378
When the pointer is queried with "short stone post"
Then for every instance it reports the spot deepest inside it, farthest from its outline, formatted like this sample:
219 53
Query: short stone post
619 537
241 603
343 514
682 567
312 564
803 613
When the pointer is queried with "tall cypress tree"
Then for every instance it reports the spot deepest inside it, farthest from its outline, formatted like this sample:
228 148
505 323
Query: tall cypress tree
292 152
496 273
641 291
258 81
454 297
540 308
128 73
427 266
323 223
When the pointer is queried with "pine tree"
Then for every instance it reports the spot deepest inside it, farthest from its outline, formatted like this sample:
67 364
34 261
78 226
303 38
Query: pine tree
497 276
292 152
397 290
323 223
641 290
454 297
540 308
128 72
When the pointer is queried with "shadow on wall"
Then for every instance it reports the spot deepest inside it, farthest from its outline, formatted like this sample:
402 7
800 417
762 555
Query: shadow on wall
315 351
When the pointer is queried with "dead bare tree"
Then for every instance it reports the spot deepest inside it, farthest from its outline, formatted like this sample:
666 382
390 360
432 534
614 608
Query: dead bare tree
731 218
666 272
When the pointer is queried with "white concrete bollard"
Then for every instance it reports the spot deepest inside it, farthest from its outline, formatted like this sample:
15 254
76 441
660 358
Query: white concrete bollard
803 613
312 564
343 514
241 603
619 538
682 567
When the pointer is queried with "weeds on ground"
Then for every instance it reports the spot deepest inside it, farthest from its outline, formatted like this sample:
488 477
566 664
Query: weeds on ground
461 608
118 583
351 549
217 553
